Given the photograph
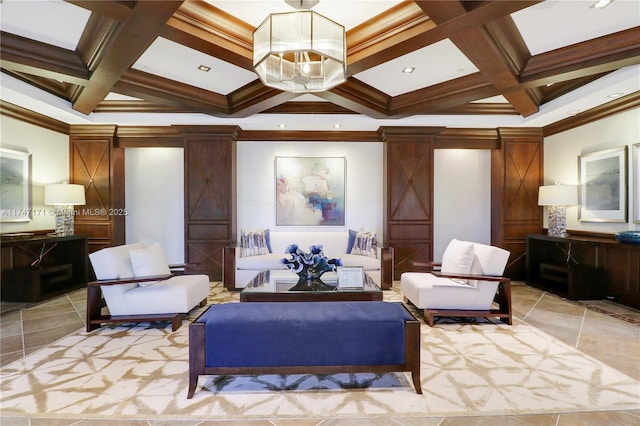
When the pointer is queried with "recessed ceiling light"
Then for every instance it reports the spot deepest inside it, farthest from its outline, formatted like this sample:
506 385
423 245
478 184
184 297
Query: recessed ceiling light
204 68
573 112
601 4
282 125
408 70
615 95
337 126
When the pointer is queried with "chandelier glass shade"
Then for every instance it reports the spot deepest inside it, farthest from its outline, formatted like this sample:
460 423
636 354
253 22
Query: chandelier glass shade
300 52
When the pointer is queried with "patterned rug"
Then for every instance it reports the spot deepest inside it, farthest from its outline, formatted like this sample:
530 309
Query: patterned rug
140 372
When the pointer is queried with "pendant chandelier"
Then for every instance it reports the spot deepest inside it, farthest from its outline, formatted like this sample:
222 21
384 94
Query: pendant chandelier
300 51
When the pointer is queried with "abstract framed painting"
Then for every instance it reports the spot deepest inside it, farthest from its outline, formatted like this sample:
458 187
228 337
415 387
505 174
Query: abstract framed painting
310 191
15 186
603 185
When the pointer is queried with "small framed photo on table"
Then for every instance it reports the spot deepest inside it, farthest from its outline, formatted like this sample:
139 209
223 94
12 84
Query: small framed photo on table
350 277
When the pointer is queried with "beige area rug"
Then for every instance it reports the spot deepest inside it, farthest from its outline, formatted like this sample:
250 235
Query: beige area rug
473 369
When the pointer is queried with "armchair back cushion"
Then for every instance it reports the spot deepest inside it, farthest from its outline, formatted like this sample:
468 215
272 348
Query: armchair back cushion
149 261
113 263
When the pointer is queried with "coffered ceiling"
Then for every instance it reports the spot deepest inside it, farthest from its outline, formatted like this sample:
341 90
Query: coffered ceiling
477 63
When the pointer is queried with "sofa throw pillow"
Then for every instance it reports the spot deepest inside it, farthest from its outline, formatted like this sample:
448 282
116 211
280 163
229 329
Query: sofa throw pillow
365 244
149 261
458 258
254 243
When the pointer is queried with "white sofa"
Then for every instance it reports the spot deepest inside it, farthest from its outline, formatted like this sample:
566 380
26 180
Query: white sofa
138 285
239 270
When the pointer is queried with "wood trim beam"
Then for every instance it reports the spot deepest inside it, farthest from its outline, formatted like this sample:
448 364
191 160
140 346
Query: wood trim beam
23 55
619 105
205 28
95 40
441 96
604 54
308 136
359 97
255 97
116 10
136 107
171 93
22 114
136 35
54 87
305 107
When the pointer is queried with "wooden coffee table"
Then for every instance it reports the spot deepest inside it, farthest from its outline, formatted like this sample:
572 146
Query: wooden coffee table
280 286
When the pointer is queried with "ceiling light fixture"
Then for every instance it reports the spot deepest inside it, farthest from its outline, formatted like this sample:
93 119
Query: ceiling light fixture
601 4
300 51
337 126
408 70
614 95
282 125
204 68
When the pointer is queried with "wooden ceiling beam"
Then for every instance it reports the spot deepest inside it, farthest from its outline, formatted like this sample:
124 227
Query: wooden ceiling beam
136 35
409 26
308 107
163 91
498 50
32 57
603 54
255 97
359 97
446 95
212 31
116 10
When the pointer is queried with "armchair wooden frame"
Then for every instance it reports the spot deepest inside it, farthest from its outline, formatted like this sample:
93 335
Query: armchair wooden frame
502 297
95 303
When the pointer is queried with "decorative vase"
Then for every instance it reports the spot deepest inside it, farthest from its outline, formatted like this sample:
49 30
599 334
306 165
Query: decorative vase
309 266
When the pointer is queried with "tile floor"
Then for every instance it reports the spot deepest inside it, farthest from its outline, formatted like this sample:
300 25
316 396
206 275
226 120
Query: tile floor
601 329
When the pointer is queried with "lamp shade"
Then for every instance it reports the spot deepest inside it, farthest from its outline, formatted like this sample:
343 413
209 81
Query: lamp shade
557 195
64 194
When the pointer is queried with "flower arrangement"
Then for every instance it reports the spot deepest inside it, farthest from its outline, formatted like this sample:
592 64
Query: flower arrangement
309 266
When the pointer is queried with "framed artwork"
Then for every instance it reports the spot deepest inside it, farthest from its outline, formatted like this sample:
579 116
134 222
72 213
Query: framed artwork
636 183
310 191
15 186
603 186
350 276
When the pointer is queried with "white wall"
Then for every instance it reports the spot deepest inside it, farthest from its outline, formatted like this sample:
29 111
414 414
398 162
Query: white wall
561 153
49 164
256 182
462 197
462 190
154 194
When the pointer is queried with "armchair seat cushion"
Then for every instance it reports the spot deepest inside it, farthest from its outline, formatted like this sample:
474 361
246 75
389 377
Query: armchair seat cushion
177 294
426 291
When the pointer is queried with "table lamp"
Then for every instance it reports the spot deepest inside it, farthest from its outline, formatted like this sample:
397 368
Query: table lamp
556 197
64 196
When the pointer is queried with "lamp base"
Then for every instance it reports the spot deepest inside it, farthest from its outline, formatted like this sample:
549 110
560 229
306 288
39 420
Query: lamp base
64 221
557 222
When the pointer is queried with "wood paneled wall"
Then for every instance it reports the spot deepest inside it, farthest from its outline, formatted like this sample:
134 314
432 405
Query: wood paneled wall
98 164
516 174
210 200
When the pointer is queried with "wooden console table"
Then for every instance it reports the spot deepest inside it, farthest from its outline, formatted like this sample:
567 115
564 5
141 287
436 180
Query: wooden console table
585 266
40 267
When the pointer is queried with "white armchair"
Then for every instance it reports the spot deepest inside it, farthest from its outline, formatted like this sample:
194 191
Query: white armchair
137 285
468 283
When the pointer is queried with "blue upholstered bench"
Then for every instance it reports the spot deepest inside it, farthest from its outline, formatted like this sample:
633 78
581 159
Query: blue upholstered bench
304 338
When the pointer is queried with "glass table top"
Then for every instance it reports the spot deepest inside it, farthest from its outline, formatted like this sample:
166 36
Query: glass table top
285 281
